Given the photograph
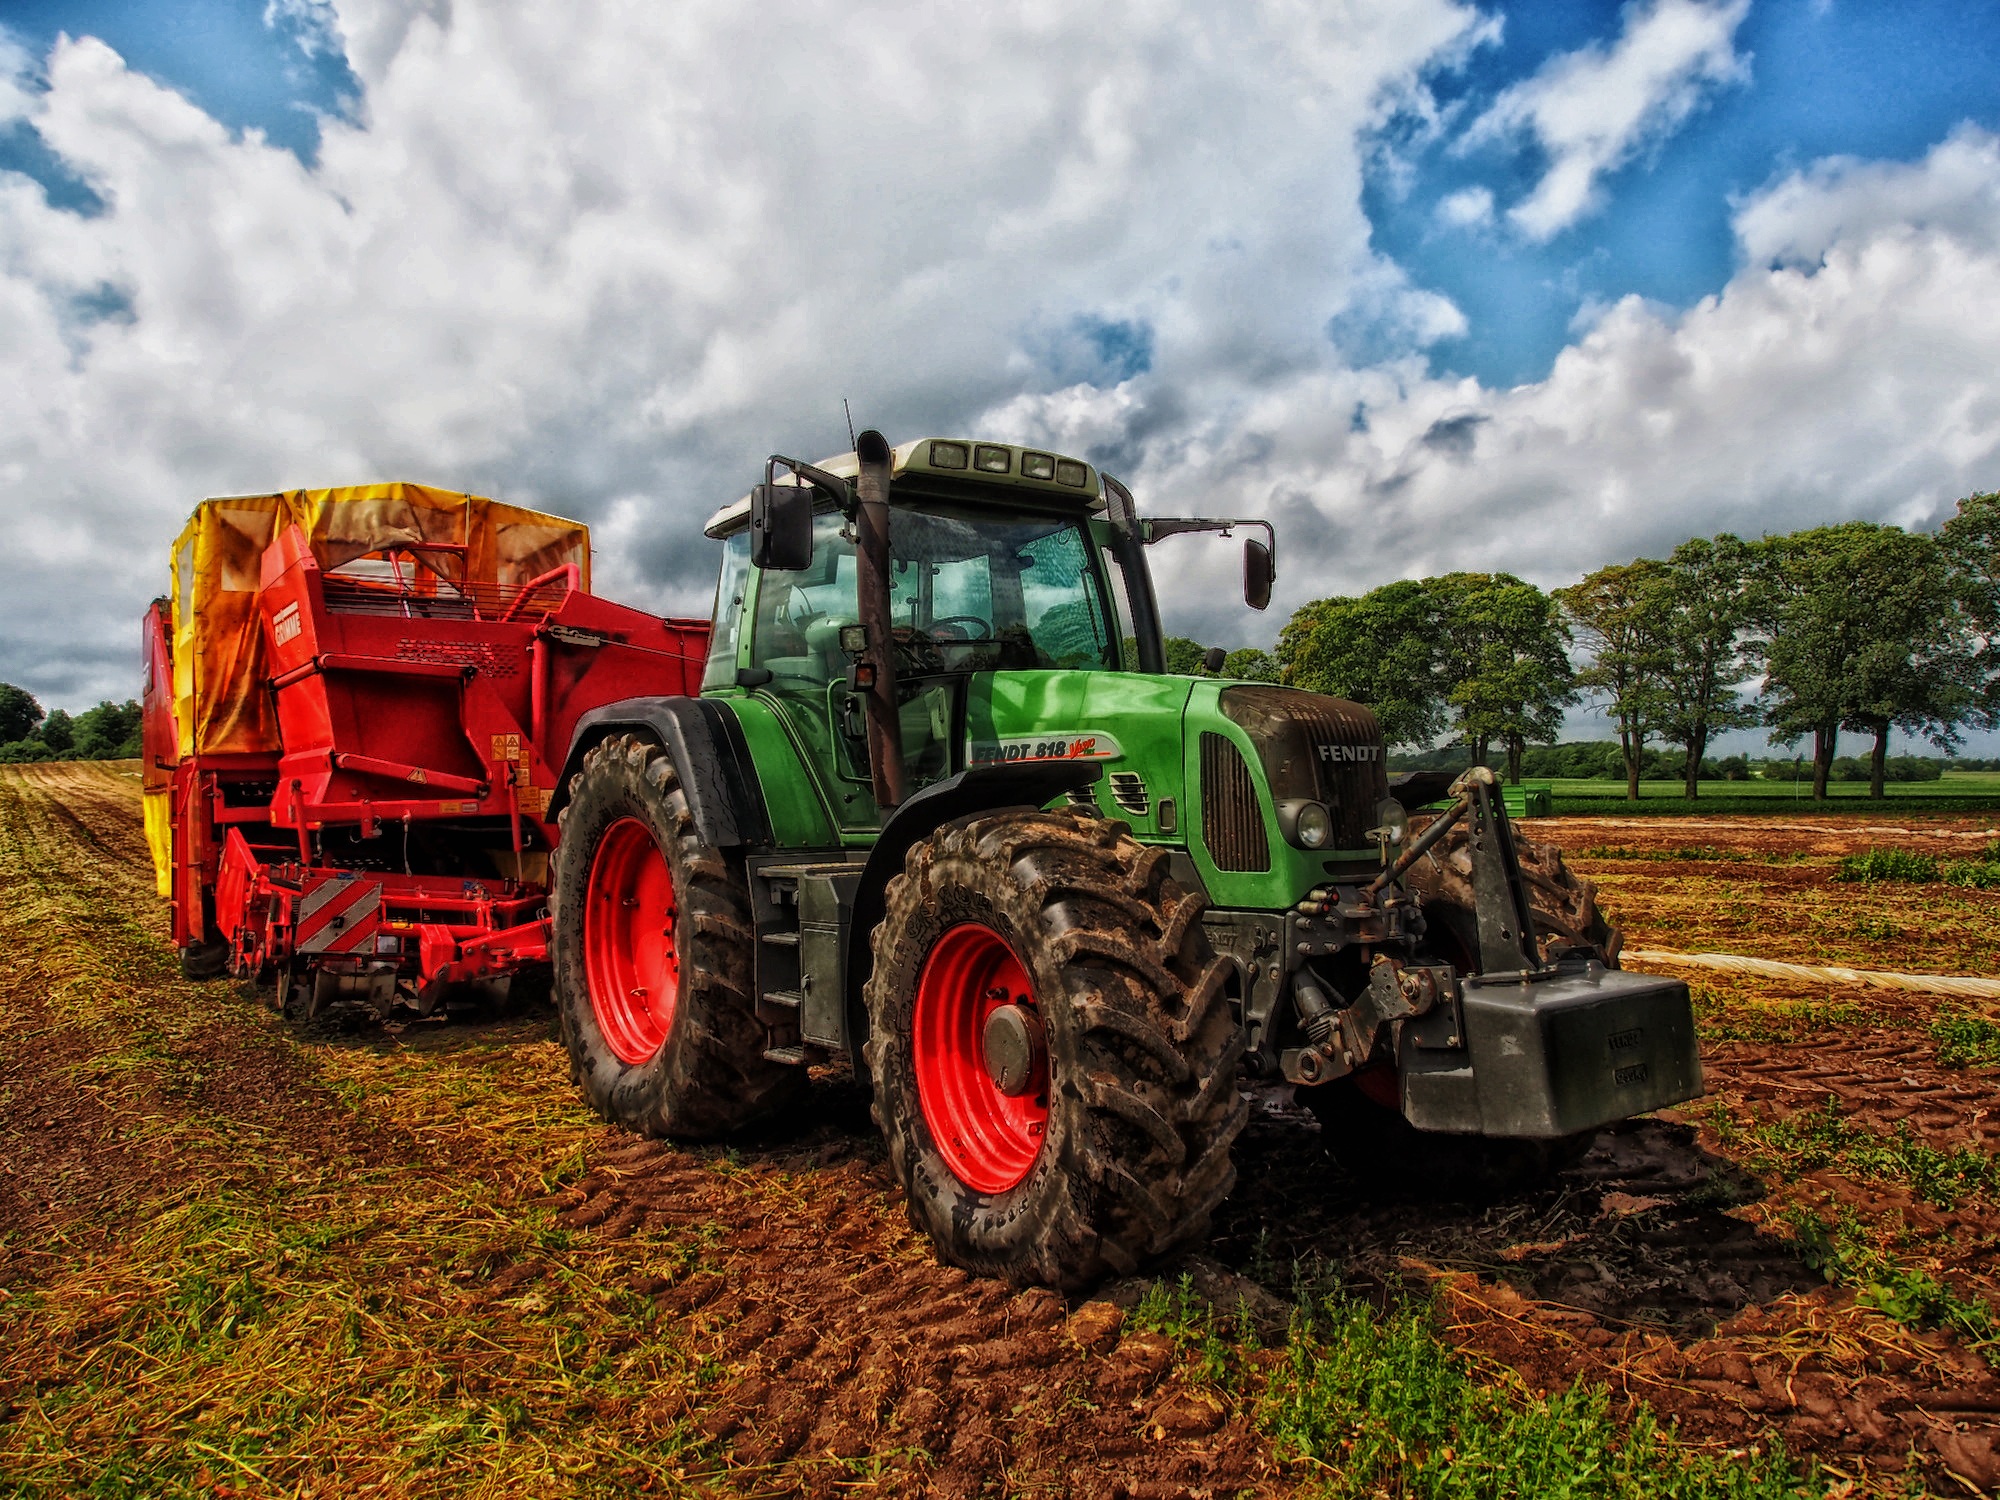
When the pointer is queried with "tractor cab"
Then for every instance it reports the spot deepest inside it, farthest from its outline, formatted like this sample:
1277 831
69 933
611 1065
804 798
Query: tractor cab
999 560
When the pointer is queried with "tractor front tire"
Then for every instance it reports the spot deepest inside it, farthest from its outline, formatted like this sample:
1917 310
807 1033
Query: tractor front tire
1053 1052
1361 1119
1564 903
651 950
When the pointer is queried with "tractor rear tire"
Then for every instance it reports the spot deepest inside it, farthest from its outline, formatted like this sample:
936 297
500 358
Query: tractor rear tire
652 954
1115 1149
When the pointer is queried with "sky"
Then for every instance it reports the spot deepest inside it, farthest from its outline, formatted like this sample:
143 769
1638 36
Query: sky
1432 285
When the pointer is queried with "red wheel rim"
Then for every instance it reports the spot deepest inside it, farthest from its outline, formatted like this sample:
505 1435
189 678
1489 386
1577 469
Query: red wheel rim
989 1139
629 962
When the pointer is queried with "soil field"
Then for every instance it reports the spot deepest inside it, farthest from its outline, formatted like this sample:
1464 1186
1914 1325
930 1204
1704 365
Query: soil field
237 1260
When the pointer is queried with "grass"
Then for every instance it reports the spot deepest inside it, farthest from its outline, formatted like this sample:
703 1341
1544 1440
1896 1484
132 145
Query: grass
259 1311
1981 873
1378 1403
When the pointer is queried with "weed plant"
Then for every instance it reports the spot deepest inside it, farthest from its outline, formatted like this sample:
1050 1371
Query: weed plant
1966 1040
1838 1248
1379 1404
1981 873
1827 1137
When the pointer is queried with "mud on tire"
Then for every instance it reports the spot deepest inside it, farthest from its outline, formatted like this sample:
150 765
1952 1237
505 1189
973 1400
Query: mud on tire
708 1075
1142 1047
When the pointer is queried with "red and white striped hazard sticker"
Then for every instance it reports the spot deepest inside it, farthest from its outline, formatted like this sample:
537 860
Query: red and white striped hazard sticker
337 915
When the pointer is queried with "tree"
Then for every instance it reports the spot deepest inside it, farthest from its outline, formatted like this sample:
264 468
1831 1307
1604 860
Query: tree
59 732
1378 648
19 713
1971 542
1864 627
1504 657
1251 665
109 731
1707 610
1183 656
1622 613
1919 671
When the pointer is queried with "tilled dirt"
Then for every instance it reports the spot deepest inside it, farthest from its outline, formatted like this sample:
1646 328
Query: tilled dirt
815 1345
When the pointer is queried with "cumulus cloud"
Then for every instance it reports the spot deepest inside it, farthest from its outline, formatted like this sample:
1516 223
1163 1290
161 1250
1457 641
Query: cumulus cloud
605 258
1467 208
1853 378
1954 190
1591 110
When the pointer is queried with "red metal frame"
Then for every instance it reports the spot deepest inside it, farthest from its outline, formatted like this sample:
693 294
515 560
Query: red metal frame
402 821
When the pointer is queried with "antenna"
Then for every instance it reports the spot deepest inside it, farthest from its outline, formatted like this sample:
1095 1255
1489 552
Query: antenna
850 421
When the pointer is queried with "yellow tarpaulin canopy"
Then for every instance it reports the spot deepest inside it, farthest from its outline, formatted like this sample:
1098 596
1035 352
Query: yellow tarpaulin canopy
220 697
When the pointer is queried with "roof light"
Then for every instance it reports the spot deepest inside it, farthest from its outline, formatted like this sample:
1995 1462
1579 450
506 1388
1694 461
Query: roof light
948 455
990 459
1038 465
1069 471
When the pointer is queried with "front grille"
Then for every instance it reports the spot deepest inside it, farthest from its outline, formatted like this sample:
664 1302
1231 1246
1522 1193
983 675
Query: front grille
1325 749
1232 821
1128 790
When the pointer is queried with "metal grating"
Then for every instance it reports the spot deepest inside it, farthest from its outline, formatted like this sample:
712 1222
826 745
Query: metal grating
1232 822
1128 790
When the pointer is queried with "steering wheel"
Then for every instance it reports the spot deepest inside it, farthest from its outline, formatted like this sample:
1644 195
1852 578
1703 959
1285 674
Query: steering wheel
978 629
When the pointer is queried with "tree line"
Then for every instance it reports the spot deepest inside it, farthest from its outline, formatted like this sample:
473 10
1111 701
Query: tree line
109 731
1858 629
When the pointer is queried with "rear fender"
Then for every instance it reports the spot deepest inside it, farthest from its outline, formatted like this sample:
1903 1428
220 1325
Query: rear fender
709 753
1020 785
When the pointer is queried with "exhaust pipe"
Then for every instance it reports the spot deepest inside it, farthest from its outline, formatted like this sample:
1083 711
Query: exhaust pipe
885 727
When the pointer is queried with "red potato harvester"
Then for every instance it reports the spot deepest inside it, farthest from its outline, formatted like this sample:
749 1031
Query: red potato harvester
357 701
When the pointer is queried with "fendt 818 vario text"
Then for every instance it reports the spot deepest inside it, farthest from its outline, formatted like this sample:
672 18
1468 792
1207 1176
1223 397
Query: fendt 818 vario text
920 796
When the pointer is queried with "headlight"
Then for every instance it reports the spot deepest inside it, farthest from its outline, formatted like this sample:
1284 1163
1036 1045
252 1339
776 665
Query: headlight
1313 825
1392 819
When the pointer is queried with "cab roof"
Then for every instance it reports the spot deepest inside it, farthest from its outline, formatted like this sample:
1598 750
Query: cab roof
1027 471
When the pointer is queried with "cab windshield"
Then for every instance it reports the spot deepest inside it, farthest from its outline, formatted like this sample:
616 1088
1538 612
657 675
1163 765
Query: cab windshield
968 592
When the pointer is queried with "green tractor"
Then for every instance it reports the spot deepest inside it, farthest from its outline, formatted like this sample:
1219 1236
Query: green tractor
930 814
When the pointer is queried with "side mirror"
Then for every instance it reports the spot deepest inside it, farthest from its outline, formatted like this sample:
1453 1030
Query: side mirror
781 527
1213 659
1259 573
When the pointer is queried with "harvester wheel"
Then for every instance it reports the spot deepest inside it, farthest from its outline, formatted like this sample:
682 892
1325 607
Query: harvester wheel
201 961
1360 1116
652 956
1053 1053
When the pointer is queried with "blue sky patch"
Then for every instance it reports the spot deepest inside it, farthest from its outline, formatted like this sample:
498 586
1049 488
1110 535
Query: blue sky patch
1840 78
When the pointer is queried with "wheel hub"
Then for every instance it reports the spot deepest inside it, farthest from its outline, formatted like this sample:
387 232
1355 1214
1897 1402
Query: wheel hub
630 962
1015 1047
980 1058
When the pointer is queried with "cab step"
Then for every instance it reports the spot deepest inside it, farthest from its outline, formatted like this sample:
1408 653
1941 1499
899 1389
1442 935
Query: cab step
796 1056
